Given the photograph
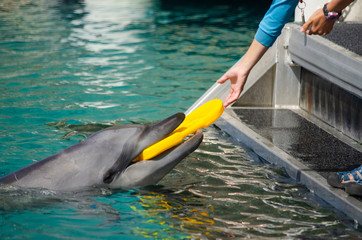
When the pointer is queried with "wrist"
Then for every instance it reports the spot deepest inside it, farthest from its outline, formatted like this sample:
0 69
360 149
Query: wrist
243 69
330 14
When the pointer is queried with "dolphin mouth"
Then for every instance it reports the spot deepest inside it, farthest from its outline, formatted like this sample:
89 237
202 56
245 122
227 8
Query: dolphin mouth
192 141
189 143
149 136
148 172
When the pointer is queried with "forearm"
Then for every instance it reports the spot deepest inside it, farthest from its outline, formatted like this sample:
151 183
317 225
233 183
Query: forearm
252 56
338 5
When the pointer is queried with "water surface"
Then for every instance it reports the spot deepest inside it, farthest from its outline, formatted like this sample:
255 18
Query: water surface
71 68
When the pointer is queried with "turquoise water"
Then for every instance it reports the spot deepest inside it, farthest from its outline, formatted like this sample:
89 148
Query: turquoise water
71 68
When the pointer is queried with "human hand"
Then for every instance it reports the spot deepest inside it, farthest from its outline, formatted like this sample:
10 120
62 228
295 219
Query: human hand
239 74
317 24
237 78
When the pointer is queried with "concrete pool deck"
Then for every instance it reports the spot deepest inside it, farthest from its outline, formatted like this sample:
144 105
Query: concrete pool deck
301 109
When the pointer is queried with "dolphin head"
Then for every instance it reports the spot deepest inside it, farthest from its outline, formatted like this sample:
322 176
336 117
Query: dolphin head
148 172
133 140
126 142
116 147
106 159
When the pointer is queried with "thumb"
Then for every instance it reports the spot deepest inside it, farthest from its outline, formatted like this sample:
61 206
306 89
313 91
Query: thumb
223 79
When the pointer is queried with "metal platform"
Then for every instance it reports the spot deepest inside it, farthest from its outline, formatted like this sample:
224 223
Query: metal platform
302 139
301 109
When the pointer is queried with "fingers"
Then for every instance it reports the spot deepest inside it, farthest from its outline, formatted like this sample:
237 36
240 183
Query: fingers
306 26
237 80
317 24
229 99
315 30
233 96
324 30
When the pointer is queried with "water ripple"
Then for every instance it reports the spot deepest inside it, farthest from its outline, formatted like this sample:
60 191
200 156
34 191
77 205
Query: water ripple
71 68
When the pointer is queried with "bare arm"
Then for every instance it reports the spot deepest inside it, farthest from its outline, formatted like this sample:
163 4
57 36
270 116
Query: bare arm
338 5
269 29
318 24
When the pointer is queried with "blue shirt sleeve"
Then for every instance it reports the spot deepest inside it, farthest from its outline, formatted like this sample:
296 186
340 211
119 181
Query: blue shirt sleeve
274 20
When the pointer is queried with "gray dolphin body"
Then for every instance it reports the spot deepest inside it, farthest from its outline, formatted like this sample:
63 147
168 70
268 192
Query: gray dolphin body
105 160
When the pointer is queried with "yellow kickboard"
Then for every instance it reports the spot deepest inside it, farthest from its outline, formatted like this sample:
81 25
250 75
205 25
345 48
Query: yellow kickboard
201 117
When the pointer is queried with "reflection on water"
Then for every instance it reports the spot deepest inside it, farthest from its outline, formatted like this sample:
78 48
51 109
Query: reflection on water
108 54
220 191
247 198
70 68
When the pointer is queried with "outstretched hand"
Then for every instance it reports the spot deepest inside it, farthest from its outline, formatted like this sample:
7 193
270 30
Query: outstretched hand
237 79
317 24
239 73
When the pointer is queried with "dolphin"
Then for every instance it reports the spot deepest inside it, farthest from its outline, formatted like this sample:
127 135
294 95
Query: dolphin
105 159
